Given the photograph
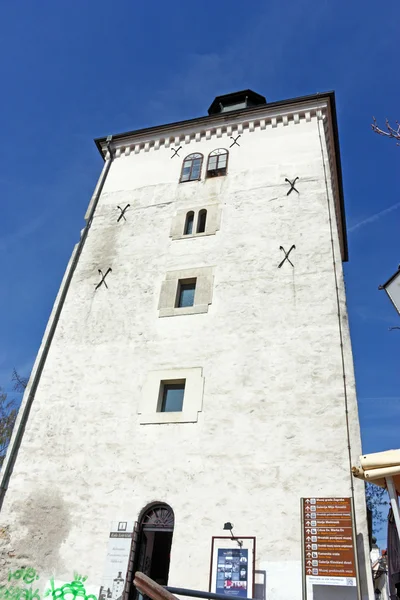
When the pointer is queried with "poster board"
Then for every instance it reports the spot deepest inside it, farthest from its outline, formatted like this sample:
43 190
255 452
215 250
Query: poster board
116 565
232 566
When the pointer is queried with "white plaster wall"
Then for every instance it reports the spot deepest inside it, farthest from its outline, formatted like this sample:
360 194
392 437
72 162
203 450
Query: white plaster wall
273 426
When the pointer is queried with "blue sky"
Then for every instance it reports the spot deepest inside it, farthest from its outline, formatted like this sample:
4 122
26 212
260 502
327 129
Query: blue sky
72 71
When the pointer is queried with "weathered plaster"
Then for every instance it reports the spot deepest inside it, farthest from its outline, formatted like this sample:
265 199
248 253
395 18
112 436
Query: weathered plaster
273 424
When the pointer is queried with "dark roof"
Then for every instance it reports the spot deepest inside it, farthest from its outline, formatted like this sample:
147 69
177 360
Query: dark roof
251 98
280 103
382 287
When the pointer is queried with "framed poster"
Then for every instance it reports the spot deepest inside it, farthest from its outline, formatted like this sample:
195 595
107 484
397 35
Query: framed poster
232 566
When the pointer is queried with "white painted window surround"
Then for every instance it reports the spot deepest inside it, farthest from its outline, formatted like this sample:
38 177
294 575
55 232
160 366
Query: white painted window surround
149 412
212 222
204 277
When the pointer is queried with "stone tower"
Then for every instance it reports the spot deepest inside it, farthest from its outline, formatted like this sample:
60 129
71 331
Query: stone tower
196 369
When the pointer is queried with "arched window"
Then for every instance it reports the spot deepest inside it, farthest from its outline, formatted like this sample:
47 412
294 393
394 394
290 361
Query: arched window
151 547
201 221
217 163
158 516
191 168
189 223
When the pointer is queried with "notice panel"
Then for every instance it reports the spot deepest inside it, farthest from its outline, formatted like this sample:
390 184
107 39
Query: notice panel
119 547
328 544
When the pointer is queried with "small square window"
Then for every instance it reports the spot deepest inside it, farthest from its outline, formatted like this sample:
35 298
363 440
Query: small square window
172 396
186 291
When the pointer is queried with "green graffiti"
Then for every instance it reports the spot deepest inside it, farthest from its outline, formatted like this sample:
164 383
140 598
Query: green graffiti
27 574
14 592
70 591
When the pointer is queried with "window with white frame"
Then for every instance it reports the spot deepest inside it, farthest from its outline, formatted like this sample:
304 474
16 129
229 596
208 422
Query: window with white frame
191 167
186 292
204 220
172 396
217 163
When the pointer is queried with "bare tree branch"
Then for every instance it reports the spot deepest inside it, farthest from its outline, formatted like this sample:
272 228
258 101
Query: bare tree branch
391 132
20 382
376 498
8 414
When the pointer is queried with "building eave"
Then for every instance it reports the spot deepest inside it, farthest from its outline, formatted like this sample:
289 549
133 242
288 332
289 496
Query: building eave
211 118
244 113
332 100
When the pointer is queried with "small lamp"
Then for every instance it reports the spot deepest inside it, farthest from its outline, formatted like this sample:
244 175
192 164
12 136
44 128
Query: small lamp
229 527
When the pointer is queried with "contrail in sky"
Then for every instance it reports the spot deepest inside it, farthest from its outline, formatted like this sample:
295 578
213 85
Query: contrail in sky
374 217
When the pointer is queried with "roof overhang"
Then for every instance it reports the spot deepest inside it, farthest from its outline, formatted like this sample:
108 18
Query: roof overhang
271 112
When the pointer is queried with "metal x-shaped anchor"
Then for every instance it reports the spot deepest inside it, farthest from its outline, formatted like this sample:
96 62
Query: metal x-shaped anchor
286 255
122 212
235 141
175 152
291 183
103 278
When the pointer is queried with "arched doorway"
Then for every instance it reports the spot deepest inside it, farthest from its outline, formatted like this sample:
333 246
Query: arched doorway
151 546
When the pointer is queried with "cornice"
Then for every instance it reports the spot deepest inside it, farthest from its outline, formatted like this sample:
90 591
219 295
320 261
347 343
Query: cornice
207 128
288 113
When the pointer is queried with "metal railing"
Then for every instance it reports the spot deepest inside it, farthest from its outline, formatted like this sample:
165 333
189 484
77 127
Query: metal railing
150 589
197 593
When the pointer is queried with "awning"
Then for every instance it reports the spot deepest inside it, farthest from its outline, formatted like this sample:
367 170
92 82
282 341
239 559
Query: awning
383 469
393 549
376 467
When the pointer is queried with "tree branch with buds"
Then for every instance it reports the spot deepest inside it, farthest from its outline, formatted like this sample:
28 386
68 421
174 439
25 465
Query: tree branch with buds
391 132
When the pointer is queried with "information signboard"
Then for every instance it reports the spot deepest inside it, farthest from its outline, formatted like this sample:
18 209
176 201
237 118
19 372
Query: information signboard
328 542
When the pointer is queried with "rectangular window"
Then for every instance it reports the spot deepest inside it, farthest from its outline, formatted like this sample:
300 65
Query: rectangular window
185 295
186 172
187 291
196 169
212 163
172 396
